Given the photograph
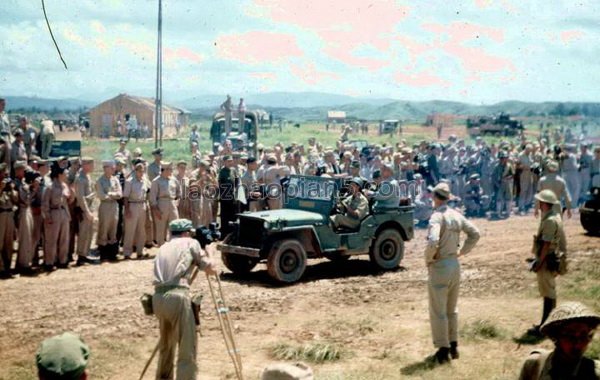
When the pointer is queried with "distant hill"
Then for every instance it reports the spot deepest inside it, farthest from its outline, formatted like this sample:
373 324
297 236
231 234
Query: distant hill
43 104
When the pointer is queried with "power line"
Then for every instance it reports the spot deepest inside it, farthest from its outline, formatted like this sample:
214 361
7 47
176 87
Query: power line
52 35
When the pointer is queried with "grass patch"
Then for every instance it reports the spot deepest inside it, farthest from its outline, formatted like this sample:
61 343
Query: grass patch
312 353
482 329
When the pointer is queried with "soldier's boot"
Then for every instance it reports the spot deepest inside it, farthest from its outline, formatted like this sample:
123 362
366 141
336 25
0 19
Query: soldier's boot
101 252
442 355
113 251
549 305
454 350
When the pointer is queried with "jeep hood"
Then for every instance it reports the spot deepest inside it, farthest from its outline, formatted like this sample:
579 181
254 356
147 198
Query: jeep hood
290 216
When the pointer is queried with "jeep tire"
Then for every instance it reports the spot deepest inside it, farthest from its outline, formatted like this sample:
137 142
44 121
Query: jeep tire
238 264
387 250
287 260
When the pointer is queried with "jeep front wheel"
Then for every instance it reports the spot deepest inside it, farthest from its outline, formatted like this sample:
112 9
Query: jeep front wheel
287 261
387 250
238 264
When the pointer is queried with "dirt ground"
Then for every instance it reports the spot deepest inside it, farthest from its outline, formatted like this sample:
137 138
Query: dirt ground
379 320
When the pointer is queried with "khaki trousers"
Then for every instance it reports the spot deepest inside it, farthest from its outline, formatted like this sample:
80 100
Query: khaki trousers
340 220
56 237
149 226
527 189
108 219
168 209
546 282
177 328
84 240
26 248
135 229
7 237
443 286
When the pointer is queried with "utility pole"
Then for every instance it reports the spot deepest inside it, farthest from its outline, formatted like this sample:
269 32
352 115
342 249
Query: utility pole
158 128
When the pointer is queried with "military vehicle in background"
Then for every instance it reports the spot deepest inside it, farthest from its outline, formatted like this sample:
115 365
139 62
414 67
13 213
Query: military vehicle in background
389 126
501 125
243 135
589 212
285 239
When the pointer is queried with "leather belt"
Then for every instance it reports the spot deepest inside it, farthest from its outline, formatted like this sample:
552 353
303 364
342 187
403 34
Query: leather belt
6 210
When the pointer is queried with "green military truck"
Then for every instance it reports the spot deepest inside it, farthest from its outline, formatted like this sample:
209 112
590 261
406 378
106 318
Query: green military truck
285 239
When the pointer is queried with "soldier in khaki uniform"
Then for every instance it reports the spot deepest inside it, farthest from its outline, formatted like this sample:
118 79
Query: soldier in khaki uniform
55 210
549 239
134 196
441 257
109 192
164 193
552 181
355 207
271 177
154 168
184 208
85 193
25 228
8 201
74 210
171 302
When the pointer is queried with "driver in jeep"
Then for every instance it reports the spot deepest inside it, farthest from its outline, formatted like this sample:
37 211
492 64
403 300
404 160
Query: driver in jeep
353 208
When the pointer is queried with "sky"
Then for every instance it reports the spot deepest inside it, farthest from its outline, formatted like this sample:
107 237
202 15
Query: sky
477 51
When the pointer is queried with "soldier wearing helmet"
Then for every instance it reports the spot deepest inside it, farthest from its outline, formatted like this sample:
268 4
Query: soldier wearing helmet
571 327
549 242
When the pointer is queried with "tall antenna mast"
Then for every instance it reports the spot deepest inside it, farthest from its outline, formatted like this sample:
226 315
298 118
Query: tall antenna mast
158 128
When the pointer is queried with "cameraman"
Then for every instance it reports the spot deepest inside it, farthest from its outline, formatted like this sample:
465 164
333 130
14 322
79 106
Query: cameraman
171 302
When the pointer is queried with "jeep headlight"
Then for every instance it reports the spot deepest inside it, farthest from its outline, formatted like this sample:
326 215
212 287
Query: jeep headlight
266 225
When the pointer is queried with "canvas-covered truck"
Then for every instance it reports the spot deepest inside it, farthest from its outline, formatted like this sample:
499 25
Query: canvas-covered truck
243 134
285 239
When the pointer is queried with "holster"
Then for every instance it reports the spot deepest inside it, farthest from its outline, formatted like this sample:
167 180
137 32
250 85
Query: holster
196 303
146 301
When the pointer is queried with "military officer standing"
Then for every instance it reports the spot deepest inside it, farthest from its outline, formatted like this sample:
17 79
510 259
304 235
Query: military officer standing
109 192
524 162
8 201
554 182
164 193
85 192
184 208
570 172
55 210
134 197
503 185
549 241
171 302
154 168
441 257
585 166
228 183
26 194
251 186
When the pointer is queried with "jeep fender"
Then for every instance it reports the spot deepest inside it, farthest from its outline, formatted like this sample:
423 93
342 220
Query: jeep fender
305 235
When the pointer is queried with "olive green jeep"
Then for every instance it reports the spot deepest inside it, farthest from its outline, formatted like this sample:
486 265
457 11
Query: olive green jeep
286 238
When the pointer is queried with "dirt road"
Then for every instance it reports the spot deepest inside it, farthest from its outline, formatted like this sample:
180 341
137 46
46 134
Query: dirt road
378 320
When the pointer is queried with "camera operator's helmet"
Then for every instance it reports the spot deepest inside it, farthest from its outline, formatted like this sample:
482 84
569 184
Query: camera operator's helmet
358 181
547 196
569 312
181 225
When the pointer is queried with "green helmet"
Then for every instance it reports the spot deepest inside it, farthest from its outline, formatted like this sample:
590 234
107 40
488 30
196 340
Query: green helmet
547 196
569 311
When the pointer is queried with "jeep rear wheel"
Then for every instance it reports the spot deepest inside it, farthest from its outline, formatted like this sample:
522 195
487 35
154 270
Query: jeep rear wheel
388 249
238 264
287 261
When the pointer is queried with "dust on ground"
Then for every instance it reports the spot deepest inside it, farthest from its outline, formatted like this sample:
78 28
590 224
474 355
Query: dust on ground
378 320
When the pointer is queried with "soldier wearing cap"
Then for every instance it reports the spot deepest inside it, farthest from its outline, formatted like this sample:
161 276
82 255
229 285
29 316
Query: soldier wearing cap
184 207
552 181
9 199
109 192
196 156
549 241
164 193
134 200
18 151
56 216
85 193
120 165
474 197
571 327
123 151
26 193
171 302
353 209
271 177
585 164
524 163
388 193
154 169
251 186
228 184
441 257
503 178
62 357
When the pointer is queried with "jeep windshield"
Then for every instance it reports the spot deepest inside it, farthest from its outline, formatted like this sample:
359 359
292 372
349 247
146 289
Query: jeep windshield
311 188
